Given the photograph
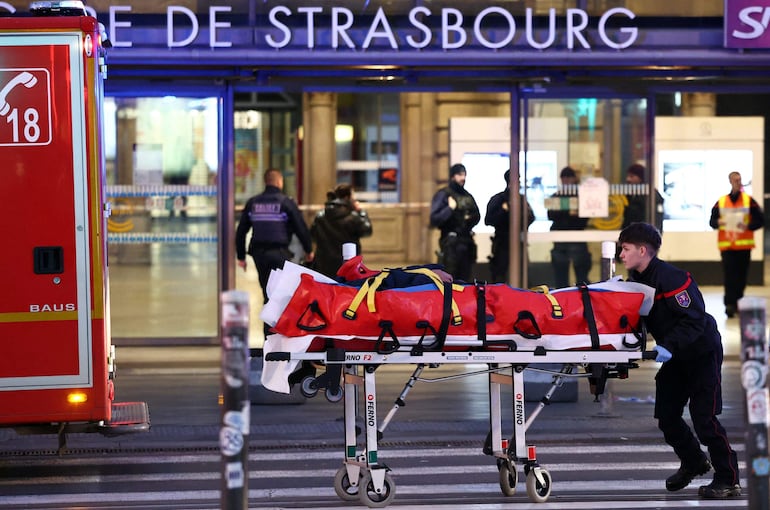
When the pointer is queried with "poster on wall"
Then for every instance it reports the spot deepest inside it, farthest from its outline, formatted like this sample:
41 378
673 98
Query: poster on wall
693 180
387 179
246 162
538 173
484 178
148 164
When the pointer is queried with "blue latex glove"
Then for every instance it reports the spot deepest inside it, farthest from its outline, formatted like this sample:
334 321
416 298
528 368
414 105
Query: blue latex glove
663 354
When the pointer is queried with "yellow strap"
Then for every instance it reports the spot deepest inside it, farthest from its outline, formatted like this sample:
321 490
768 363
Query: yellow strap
556 311
370 286
438 282
367 290
350 313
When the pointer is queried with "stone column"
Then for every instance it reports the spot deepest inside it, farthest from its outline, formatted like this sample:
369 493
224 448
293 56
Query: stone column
319 155
699 104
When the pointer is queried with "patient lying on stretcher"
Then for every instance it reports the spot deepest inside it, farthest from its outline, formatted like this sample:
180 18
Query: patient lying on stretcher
420 307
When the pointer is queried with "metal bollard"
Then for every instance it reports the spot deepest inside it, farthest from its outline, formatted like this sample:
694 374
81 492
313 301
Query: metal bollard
236 407
608 260
608 271
752 312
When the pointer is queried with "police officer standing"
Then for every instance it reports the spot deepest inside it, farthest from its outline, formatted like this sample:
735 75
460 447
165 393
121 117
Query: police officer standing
499 216
273 218
454 211
689 347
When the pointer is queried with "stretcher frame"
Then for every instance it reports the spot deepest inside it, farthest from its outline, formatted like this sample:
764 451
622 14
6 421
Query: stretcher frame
363 477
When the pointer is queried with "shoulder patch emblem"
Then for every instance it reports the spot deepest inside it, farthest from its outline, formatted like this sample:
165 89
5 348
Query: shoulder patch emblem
683 298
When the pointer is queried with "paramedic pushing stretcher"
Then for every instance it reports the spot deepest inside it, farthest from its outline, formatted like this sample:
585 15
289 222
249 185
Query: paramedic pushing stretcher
689 347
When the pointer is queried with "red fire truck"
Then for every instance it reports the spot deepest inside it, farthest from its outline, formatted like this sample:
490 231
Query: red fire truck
56 357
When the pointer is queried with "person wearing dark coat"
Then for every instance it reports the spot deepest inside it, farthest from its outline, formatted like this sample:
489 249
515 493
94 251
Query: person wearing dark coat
565 217
498 216
636 207
454 211
272 218
341 221
689 348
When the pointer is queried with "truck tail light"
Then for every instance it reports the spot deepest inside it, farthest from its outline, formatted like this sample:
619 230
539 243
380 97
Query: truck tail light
77 397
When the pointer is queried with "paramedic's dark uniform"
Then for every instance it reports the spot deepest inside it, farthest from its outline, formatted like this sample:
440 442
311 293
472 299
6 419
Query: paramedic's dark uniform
273 218
678 321
457 251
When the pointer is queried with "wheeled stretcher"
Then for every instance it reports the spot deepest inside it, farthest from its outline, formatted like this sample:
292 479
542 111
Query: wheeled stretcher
593 332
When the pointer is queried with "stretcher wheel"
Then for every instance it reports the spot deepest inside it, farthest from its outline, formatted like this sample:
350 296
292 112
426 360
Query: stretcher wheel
308 387
342 486
538 492
334 396
370 498
508 478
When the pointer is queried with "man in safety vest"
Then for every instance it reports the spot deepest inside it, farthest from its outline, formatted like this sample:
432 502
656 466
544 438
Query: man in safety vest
736 216
454 211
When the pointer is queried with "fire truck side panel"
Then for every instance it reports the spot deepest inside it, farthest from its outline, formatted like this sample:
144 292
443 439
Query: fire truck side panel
52 319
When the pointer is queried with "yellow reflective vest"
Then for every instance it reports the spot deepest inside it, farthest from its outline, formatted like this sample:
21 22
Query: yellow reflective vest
733 239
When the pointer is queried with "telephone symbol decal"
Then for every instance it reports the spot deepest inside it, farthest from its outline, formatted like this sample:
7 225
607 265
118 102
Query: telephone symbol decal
23 78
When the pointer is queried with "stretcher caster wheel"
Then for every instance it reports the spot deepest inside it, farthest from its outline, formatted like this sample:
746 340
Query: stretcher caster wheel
372 499
334 396
508 478
538 491
308 387
342 486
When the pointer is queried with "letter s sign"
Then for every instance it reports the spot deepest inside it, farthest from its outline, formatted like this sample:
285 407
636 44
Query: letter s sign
746 24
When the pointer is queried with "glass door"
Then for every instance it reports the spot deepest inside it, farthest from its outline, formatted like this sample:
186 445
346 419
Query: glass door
162 158
574 172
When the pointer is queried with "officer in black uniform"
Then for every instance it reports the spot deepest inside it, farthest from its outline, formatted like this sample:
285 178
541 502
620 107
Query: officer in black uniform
273 218
454 211
499 216
689 347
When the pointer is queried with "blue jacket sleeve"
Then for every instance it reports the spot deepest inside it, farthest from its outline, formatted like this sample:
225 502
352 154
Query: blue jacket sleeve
439 209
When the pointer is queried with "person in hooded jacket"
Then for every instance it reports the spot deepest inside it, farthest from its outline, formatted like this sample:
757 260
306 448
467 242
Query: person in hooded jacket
341 221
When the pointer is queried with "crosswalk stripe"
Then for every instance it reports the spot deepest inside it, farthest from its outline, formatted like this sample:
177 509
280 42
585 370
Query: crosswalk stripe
294 494
614 479
401 472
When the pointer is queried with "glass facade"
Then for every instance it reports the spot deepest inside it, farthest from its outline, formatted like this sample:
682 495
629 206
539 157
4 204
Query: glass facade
162 160
600 138
367 138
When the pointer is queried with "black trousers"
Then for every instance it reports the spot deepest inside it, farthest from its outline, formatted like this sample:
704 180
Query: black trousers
458 255
500 259
735 269
697 383
267 259
561 256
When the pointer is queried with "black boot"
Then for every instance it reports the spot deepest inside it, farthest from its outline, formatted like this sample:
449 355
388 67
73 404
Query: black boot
720 490
685 474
